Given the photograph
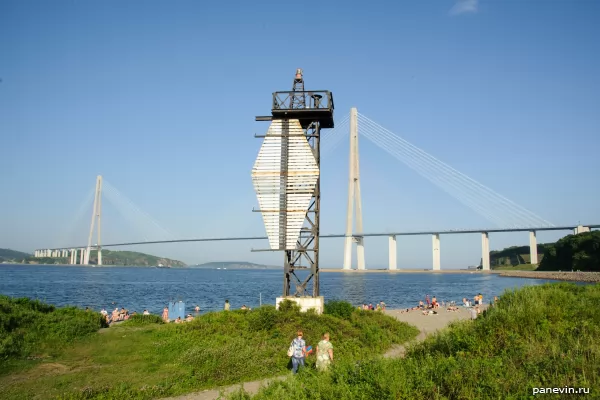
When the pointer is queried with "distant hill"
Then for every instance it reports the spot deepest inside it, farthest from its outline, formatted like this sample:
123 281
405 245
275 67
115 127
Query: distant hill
133 258
109 257
234 265
13 255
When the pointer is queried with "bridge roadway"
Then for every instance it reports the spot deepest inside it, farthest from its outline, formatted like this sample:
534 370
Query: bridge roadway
415 233
485 247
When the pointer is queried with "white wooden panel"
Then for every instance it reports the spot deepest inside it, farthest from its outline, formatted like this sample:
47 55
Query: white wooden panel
274 190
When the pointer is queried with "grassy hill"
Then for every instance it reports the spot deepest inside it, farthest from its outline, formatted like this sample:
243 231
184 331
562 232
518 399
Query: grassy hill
13 255
133 258
515 255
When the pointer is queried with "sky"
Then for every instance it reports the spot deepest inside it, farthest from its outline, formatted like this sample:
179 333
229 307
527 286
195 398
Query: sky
159 98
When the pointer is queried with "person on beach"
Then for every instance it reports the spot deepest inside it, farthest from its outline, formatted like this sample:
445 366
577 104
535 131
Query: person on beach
473 313
298 348
324 353
165 314
146 312
427 300
227 305
197 309
382 305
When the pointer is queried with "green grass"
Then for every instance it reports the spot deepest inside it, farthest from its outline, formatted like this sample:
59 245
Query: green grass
520 267
30 329
541 336
137 360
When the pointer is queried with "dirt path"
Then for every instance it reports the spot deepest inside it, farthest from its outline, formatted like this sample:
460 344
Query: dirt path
427 324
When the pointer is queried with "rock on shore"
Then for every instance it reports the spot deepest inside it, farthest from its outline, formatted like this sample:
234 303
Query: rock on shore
593 277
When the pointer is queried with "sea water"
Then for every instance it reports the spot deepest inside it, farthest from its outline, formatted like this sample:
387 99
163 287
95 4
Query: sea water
138 288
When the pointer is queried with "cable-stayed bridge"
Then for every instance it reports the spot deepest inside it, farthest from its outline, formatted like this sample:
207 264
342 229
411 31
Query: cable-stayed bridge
504 215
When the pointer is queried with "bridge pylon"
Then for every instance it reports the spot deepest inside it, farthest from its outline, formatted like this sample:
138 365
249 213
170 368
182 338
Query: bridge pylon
96 215
354 199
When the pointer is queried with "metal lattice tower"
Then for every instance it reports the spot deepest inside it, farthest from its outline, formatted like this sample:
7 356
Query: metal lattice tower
286 178
298 86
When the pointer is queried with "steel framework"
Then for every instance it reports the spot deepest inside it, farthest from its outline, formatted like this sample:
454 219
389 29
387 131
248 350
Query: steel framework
314 111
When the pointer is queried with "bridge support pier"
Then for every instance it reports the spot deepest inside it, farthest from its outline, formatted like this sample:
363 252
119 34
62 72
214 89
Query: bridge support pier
393 265
435 241
99 255
580 229
533 252
81 256
485 251
354 198
360 253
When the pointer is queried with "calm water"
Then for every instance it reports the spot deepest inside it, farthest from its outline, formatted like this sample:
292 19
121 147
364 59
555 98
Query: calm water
149 288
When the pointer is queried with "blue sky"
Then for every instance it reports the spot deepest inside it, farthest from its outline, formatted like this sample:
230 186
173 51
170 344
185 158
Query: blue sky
160 99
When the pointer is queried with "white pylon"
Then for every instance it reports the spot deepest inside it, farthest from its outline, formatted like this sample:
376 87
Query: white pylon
96 214
354 197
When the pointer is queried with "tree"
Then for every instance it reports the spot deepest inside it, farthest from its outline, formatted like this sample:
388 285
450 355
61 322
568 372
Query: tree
577 252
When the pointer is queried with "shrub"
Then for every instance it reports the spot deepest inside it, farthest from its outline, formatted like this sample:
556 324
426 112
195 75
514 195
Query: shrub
262 319
289 306
141 319
339 308
30 326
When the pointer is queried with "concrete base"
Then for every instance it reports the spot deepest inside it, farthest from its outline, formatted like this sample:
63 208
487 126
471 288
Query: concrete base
305 303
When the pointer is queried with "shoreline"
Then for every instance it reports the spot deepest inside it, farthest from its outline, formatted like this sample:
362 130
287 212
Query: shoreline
589 277
409 271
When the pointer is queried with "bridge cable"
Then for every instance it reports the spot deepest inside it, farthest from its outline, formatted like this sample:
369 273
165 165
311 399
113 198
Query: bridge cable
422 169
380 135
331 140
465 199
122 203
453 172
432 176
69 229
